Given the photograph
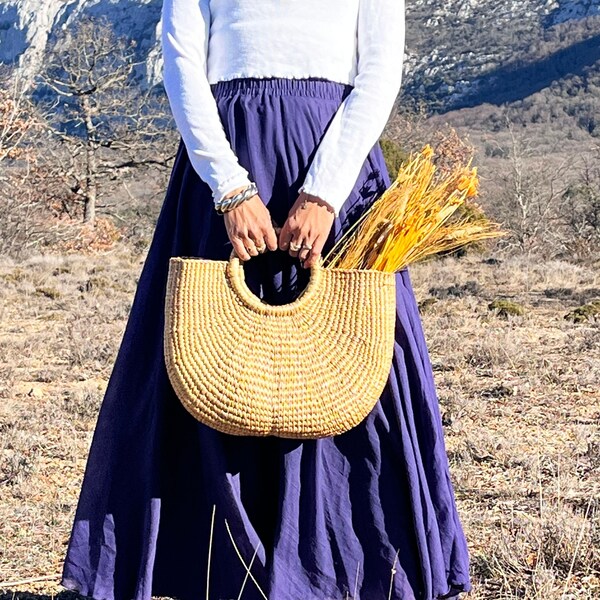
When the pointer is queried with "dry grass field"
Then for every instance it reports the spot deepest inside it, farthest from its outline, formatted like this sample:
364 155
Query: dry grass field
519 394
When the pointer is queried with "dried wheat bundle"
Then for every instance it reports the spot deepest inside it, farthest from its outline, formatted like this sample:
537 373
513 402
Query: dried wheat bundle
415 217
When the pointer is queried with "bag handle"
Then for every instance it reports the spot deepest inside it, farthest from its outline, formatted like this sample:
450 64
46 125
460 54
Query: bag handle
235 274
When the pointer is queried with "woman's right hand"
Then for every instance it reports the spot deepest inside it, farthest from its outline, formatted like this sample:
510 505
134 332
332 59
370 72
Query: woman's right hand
249 226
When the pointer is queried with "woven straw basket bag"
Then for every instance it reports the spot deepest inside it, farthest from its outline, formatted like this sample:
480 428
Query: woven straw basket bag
308 369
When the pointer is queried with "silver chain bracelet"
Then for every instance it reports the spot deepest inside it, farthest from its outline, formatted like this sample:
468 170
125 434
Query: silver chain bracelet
226 204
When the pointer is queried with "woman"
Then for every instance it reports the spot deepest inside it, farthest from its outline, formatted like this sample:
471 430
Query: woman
291 97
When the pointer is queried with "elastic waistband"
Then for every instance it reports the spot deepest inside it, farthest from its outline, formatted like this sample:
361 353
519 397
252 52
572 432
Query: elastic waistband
309 86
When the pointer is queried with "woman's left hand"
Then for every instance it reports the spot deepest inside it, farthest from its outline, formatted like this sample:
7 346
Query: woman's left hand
308 225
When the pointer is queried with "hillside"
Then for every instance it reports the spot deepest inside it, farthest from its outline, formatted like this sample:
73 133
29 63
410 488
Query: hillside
518 396
485 51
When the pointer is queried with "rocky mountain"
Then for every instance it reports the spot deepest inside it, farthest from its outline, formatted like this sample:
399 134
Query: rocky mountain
497 51
27 27
459 53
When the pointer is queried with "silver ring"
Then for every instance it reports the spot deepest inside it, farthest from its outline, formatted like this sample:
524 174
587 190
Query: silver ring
295 247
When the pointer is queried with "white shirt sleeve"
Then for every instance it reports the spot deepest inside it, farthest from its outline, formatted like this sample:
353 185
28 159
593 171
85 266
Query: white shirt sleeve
363 114
185 34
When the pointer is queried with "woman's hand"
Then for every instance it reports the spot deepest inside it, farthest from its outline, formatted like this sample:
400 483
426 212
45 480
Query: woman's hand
249 226
308 224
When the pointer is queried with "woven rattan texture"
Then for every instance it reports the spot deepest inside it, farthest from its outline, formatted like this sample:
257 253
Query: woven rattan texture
309 369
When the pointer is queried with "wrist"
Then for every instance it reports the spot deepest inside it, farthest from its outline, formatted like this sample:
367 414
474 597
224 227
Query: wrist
306 197
235 191
236 197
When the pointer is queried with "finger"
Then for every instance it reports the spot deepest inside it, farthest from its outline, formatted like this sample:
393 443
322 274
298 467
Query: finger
297 242
270 237
295 245
305 250
285 236
311 261
315 252
240 250
262 248
250 246
259 242
277 228
267 238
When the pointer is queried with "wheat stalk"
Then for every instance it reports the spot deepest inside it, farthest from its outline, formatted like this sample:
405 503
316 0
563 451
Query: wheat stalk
415 217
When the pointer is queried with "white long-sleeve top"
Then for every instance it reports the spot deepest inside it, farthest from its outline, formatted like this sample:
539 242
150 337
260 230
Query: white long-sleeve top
360 42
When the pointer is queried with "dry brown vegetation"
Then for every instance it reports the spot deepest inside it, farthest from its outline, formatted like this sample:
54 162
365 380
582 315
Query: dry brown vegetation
518 394
514 337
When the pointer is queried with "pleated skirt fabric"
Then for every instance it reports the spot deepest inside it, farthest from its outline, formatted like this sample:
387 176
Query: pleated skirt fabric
170 507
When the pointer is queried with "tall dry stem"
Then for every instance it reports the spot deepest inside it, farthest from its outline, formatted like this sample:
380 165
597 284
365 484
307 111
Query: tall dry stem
415 217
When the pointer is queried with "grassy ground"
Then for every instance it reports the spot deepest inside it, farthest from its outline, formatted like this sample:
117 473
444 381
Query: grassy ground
519 394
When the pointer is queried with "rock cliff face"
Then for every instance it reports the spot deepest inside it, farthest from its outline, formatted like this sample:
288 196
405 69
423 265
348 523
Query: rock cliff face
26 27
457 51
574 9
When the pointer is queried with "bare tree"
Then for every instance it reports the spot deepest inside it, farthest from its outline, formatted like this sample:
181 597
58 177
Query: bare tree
16 118
582 203
18 126
530 200
109 125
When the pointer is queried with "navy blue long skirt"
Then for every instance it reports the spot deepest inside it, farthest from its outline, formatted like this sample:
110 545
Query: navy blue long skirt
368 514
